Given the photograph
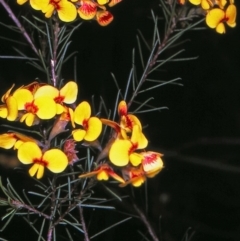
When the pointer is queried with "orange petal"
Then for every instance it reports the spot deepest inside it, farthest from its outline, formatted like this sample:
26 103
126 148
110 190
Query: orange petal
104 18
87 10
6 95
114 2
122 108
231 14
214 17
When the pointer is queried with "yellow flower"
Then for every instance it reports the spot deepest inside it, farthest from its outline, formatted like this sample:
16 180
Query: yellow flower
127 121
102 173
42 107
205 4
67 94
216 18
123 151
34 3
13 139
55 160
151 165
134 176
9 110
92 126
66 10
89 10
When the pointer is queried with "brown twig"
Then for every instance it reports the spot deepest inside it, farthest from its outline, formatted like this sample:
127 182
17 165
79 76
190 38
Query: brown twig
146 222
19 25
20 205
83 223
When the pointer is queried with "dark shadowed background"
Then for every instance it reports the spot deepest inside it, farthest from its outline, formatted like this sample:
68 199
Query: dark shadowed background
199 134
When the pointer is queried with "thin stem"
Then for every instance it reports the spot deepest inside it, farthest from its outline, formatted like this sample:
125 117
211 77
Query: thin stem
19 204
19 25
146 222
152 60
83 223
56 30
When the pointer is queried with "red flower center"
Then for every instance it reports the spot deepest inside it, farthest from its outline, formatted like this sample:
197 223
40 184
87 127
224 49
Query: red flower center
85 124
55 3
31 107
133 148
40 162
59 99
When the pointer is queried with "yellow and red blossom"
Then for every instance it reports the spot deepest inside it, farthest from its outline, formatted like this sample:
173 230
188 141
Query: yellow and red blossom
103 172
89 10
54 159
66 95
127 121
150 166
91 126
42 107
104 17
123 151
14 139
217 17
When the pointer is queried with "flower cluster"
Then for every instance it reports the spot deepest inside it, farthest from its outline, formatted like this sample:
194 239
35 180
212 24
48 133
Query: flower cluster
122 151
218 13
68 10
43 104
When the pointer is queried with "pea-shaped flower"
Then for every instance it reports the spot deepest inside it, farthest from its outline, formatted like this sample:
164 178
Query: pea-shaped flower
217 17
30 153
91 126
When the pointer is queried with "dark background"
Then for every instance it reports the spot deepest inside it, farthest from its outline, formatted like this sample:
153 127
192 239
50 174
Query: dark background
199 134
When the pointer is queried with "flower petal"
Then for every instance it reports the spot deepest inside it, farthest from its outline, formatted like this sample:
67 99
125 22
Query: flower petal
82 112
29 151
46 90
22 97
138 137
214 17
87 10
119 152
231 14
56 159
47 107
135 158
104 18
69 91
7 140
94 129
12 107
78 134
36 168
67 12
